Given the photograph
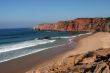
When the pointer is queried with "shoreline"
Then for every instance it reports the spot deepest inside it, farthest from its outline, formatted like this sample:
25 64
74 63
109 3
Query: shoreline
31 53
91 54
28 62
72 37
59 57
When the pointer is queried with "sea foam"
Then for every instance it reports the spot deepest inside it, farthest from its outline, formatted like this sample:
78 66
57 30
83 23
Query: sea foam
31 53
25 44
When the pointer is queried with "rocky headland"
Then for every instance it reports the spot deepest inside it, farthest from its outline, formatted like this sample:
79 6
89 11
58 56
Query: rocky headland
79 24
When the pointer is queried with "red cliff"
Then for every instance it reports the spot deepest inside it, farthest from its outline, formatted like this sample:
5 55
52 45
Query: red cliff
80 24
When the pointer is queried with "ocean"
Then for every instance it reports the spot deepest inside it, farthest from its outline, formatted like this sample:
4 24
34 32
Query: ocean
20 42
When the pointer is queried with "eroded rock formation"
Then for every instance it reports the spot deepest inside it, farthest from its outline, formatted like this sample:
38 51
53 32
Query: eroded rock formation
80 24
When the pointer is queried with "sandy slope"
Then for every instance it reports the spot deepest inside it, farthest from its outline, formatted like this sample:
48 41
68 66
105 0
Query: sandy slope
98 40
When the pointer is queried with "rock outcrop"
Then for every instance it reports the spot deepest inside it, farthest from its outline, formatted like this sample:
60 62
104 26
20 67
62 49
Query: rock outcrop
91 62
80 24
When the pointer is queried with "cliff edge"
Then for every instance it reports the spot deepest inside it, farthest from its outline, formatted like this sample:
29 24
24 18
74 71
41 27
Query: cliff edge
79 24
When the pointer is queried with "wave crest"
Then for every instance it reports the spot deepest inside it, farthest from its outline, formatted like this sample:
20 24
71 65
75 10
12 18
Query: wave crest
25 44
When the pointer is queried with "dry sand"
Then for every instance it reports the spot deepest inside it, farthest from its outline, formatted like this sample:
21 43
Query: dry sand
70 59
90 43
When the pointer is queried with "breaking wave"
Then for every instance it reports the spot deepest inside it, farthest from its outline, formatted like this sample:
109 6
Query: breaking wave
25 44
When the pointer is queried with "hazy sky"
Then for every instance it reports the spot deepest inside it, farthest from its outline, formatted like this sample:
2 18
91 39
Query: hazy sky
26 13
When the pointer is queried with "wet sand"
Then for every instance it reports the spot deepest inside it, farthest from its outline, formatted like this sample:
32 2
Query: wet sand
22 64
32 61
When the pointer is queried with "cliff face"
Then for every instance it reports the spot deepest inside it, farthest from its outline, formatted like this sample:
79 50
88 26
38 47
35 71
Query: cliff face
80 24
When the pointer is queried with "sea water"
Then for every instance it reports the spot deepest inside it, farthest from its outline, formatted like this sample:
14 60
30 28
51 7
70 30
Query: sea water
19 42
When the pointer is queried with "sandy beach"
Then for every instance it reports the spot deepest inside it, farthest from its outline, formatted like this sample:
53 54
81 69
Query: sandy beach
23 64
90 55
60 59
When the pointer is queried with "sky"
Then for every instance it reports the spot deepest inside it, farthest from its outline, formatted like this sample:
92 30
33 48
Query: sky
27 13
